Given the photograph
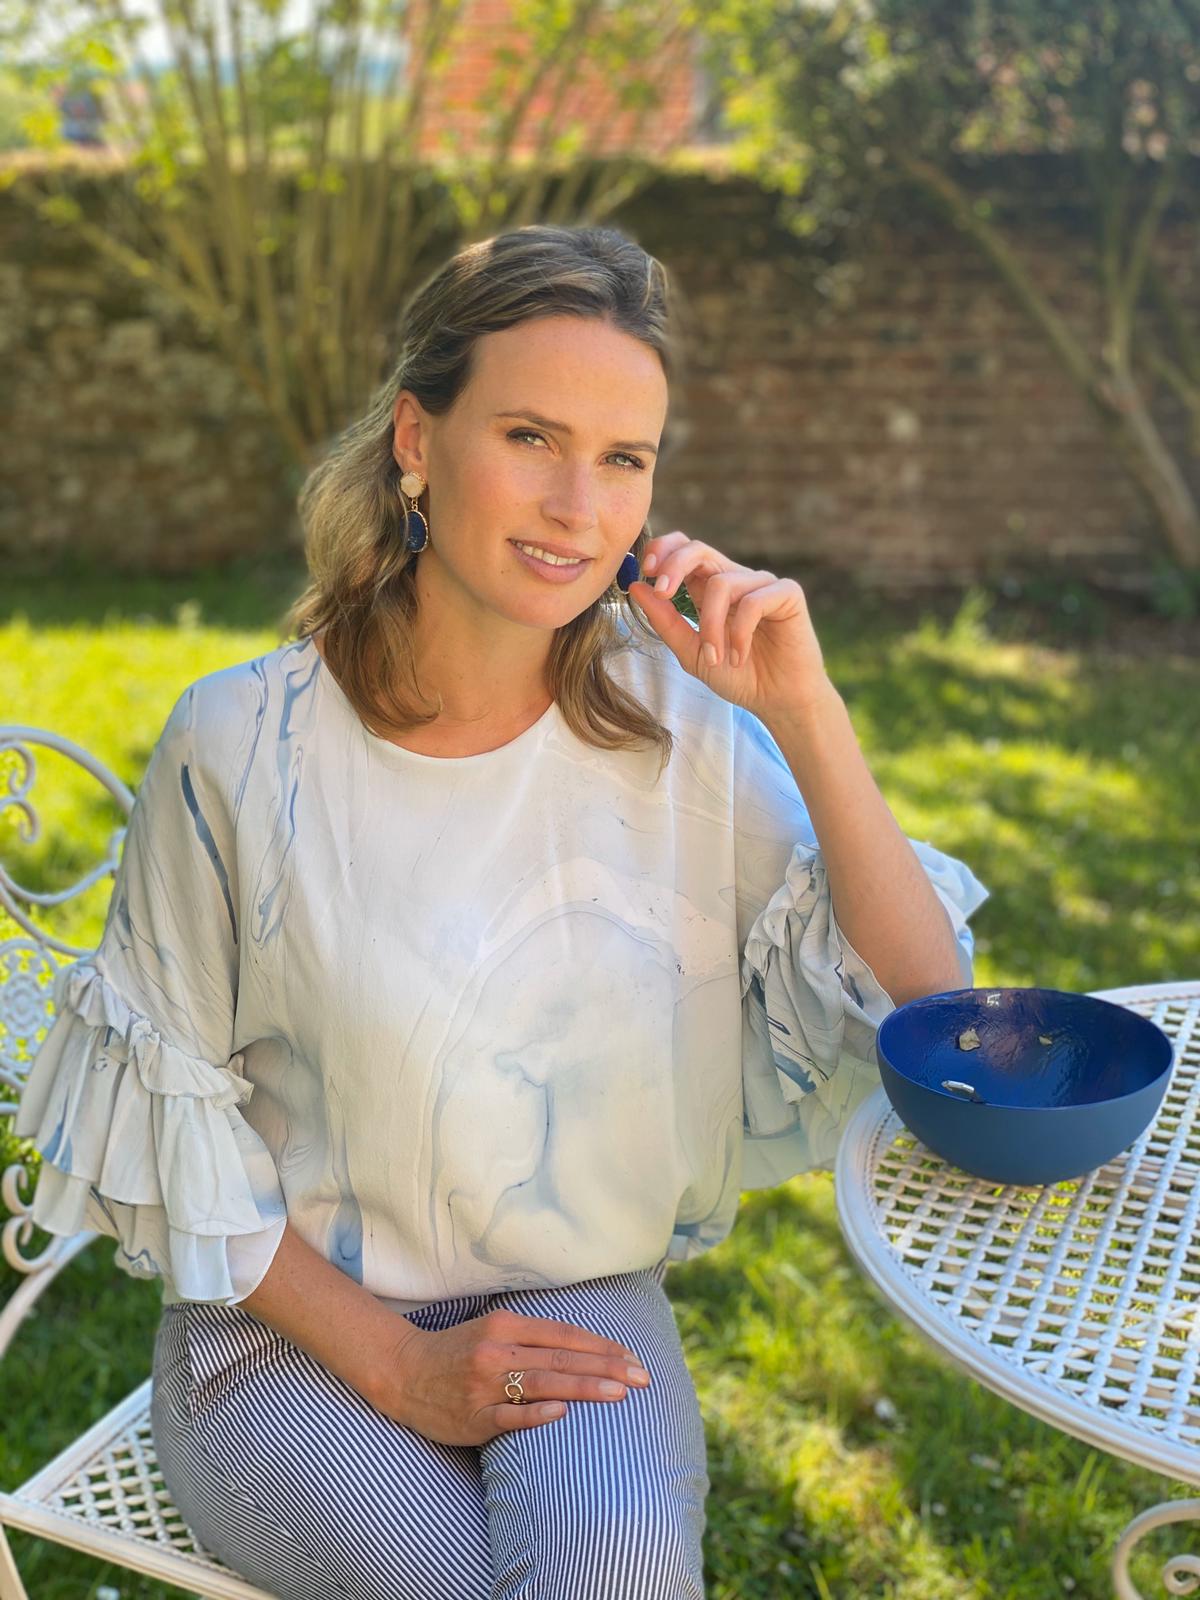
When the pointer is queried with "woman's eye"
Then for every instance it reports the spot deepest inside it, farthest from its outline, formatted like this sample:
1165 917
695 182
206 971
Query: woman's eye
636 465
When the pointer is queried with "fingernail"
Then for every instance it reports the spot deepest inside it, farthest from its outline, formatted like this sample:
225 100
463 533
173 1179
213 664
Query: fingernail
710 654
649 564
637 1374
664 582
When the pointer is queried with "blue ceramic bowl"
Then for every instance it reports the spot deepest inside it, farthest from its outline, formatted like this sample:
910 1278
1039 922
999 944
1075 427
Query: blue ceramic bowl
1057 1085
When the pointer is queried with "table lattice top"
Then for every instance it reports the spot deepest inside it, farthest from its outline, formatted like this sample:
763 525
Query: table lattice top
1080 1300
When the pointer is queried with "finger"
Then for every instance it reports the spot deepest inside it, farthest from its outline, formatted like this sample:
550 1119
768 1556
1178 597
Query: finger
694 566
685 559
669 623
544 1331
576 1366
661 545
546 1383
723 591
506 1418
751 610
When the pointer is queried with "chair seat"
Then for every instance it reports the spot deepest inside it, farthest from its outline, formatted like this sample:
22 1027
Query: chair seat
104 1495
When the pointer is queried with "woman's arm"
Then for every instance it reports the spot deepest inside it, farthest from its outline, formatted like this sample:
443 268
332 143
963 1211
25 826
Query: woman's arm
304 1297
882 898
446 1385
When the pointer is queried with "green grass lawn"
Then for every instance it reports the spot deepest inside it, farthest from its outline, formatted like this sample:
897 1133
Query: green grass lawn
847 1458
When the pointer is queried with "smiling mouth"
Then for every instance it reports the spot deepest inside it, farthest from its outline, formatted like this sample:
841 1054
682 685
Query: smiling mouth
540 553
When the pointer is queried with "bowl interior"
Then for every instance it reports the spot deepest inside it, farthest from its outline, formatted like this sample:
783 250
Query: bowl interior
1036 1047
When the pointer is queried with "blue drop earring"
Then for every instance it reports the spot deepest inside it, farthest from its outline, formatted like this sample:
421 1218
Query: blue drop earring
413 485
627 572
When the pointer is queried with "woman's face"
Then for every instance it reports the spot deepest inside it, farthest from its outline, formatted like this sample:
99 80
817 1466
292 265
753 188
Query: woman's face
578 481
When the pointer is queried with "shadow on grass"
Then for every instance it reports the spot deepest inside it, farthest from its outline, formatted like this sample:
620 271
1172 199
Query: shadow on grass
975 1498
240 595
972 1495
792 1346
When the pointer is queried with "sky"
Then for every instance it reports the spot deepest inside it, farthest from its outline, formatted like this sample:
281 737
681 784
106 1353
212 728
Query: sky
295 17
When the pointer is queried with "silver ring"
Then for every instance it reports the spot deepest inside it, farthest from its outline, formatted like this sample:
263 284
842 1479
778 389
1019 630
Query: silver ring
514 1382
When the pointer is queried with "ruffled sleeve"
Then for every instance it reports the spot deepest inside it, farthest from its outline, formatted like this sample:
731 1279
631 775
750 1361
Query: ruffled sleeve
133 1097
811 1006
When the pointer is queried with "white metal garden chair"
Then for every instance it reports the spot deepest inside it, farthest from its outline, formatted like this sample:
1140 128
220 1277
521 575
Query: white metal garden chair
103 1494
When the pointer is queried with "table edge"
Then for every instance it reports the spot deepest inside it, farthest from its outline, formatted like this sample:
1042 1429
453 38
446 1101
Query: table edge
1117 1437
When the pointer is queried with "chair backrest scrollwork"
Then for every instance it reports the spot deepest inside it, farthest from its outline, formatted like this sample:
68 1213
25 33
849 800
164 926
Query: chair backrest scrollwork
27 967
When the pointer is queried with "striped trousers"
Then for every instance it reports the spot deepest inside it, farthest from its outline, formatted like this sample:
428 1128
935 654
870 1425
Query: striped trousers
295 1481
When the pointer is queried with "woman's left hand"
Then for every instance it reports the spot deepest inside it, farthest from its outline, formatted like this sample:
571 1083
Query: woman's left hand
767 655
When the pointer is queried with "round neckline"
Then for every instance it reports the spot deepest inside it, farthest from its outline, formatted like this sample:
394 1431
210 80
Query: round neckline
396 755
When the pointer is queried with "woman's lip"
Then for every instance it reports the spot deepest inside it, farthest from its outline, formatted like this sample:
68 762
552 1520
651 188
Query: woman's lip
547 570
571 555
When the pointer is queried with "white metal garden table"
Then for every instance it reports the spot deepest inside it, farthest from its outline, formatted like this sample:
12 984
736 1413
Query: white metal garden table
1078 1301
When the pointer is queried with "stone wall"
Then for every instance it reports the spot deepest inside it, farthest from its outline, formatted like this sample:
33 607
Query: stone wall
925 434
125 436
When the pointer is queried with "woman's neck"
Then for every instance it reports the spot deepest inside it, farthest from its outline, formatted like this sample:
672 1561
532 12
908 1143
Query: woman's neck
453 733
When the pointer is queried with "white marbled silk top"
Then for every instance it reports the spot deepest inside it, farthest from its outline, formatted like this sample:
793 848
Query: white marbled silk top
513 1019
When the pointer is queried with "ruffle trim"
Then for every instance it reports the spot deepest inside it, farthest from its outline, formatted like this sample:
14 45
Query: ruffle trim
82 988
811 1009
144 1142
816 995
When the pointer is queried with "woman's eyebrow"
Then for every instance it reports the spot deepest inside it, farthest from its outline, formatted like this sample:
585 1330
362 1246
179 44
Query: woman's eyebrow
562 427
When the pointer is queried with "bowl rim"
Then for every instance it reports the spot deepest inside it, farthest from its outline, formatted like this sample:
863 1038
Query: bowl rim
1030 988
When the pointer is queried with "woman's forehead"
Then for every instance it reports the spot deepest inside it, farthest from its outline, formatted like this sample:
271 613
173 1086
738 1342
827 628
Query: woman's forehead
576 371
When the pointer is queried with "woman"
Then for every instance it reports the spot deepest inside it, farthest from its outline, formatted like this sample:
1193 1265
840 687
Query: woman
468 956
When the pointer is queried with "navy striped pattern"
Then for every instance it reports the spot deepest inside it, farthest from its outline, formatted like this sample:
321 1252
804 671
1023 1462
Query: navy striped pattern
293 1480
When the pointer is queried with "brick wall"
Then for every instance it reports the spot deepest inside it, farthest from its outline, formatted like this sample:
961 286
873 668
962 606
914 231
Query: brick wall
923 435
451 102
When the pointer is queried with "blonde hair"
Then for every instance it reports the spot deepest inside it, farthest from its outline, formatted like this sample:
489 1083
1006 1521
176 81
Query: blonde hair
361 591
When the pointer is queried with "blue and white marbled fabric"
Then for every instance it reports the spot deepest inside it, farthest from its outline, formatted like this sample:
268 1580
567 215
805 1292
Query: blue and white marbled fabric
498 1021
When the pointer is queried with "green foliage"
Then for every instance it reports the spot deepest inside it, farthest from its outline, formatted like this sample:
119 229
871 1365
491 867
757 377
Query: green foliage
840 103
18 102
855 90
1175 592
847 1459
280 186
856 109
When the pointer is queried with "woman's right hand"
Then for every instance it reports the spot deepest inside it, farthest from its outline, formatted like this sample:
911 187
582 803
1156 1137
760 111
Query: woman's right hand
449 1385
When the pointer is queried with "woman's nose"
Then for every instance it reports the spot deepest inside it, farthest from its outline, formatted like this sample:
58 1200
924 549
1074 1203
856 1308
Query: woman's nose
574 498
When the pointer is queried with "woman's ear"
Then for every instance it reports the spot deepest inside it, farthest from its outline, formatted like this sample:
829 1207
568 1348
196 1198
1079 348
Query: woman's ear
409 432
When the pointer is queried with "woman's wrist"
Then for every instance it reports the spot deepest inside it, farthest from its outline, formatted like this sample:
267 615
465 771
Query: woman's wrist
344 1326
383 1379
